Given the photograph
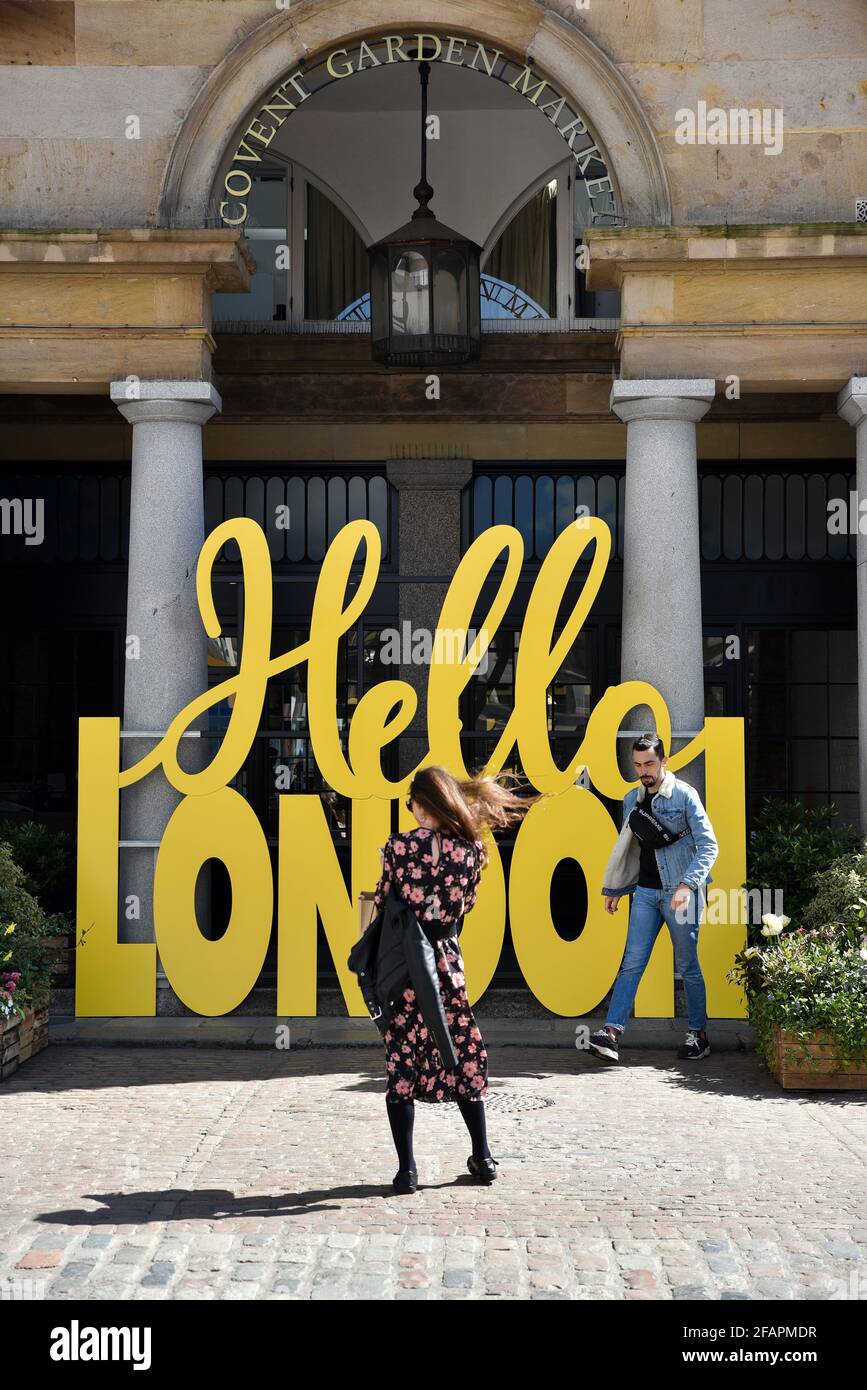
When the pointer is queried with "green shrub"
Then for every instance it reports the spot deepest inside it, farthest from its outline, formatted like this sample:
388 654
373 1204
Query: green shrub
813 978
25 950
789 845
839 888
45 857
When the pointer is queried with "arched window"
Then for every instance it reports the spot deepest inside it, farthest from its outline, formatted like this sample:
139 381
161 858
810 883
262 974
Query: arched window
311 262
521 268
312 267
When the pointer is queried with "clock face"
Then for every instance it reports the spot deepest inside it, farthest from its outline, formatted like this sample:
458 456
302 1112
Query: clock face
499 300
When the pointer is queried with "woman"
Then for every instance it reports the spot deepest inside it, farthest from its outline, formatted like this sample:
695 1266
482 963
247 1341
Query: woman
436 869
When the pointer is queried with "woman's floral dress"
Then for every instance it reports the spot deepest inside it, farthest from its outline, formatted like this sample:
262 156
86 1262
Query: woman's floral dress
440 894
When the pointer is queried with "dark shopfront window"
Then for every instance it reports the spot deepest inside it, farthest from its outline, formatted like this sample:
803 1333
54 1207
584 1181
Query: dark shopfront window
803 717
761 512
86 515
51 680
281 761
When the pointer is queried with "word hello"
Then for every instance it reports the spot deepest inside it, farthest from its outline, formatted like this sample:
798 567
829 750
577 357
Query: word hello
737 126
214 821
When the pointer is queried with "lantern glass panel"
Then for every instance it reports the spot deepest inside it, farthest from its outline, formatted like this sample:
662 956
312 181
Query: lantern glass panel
410 294
379 296
450 293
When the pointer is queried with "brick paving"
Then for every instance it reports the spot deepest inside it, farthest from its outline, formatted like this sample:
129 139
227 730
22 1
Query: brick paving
195 1173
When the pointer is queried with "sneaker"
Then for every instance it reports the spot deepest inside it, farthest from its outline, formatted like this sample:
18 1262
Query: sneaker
604 1045
484 1168
405 1180
695 1047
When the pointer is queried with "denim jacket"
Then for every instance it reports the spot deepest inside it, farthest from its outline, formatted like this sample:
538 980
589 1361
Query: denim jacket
678 807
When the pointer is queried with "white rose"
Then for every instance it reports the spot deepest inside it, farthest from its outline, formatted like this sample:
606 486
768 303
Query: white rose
773 925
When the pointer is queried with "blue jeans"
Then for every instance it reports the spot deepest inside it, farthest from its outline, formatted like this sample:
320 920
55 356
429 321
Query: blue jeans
650 908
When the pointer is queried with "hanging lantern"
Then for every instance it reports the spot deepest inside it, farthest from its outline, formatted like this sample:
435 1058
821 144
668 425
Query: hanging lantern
424 284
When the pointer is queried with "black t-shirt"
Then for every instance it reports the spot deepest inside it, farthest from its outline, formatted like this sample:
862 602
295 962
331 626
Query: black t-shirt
648 870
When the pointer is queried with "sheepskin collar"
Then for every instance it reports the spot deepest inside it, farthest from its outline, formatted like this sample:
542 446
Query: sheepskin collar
666 787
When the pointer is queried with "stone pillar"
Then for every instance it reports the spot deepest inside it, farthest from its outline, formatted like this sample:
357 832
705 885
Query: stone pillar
852 405
662 626
166 658
429 543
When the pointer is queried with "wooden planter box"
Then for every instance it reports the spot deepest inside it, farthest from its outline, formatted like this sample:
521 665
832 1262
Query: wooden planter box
21 1038
822 1070
63 950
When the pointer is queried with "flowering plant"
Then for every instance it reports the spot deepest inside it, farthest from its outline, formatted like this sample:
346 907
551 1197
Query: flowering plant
808 981
26 950
10 980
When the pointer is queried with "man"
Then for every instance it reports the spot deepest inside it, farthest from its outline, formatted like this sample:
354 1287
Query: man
663 855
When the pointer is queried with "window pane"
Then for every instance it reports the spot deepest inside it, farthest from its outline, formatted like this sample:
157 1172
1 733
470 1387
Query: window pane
565 504
450 293
265 230
483 492
410 302
817 518
844 765
335 261
767 655
843 656
809 765
809 709
754 539
733 511
524 511
768 766
522 262
296 536
796 517
711 518
774 539
503 512
843 710
809 656
767 710
544 516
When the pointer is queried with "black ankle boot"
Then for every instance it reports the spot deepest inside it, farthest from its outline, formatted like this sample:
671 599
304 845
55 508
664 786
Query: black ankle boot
405 1180
484 1168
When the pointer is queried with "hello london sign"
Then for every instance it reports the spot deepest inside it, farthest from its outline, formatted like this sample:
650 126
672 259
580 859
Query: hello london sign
449 49
213 821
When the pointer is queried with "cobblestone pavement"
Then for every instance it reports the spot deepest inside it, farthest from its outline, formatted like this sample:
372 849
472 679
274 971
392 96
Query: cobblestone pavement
177 1173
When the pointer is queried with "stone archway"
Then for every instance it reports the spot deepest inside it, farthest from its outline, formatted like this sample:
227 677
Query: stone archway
563 53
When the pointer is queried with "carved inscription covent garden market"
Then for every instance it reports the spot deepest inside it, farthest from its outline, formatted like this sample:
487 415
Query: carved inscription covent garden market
396 48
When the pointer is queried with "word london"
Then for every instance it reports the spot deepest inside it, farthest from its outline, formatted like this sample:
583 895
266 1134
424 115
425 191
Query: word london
214 821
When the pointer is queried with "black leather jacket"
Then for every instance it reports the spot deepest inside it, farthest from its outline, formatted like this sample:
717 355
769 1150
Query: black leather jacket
395 952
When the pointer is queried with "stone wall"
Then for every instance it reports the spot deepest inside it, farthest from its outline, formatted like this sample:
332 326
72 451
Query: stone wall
74 73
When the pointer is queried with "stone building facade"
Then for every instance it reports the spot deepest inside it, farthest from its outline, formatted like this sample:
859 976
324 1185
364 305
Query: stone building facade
188 187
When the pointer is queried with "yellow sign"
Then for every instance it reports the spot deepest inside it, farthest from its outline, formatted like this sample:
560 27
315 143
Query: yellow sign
214 822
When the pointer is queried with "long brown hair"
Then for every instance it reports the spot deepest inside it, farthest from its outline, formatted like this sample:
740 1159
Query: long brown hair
467 808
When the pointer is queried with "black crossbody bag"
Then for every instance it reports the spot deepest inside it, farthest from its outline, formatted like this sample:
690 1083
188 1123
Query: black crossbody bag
650 832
